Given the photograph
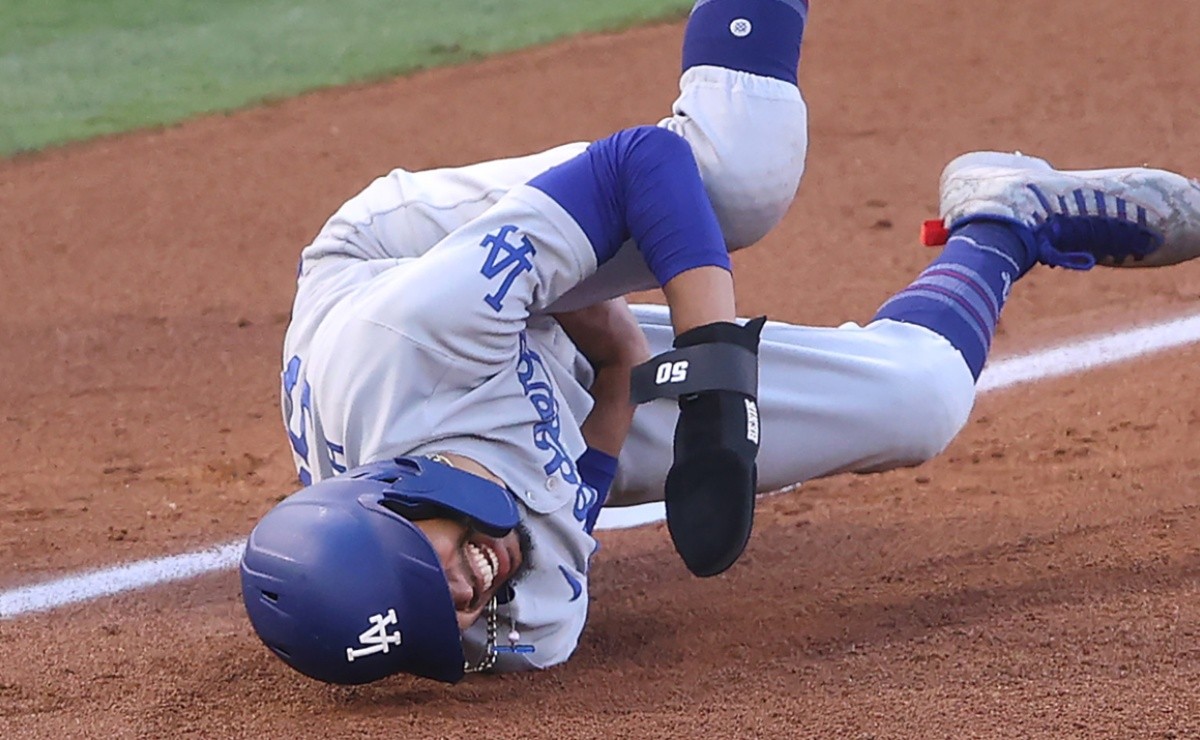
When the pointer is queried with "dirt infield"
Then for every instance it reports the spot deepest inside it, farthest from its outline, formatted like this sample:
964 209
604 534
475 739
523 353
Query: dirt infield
1041 579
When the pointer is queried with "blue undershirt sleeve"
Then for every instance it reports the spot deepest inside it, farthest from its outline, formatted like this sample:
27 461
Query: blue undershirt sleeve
640 183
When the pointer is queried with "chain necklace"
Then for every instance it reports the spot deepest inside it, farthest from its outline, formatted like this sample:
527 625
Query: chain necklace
489 655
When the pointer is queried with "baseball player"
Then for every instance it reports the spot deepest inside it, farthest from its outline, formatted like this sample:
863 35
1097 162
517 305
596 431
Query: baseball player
460 372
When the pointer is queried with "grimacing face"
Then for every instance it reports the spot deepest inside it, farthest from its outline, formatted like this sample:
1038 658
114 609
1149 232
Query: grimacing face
476 565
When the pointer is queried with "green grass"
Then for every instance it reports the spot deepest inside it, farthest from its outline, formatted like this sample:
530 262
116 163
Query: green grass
72 69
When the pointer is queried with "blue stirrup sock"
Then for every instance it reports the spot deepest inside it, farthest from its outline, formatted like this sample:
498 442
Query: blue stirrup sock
960 295
758 36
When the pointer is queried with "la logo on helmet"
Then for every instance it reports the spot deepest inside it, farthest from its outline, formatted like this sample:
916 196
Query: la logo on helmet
377 639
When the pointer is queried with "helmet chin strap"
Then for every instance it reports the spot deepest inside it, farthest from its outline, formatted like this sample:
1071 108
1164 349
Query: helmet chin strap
489 651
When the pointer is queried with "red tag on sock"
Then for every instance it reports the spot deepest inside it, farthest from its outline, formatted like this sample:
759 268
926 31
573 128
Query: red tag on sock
934 233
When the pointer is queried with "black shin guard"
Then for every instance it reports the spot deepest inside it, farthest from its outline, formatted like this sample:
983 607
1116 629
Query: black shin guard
712 481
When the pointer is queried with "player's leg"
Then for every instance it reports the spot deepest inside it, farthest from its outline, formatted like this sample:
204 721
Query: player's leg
741 109
897 391
1004 213
830 400
1079 217
745 120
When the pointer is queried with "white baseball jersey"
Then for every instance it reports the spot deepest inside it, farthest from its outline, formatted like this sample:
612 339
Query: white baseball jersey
410 336
420 326
435 354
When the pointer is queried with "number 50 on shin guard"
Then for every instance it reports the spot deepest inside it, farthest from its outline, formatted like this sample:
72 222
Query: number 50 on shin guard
713 372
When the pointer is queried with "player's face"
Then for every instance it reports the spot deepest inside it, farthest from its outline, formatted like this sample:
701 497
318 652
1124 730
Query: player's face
476 565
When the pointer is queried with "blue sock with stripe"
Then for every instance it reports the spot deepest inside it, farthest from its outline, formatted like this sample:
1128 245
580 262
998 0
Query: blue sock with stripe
960 295
757 36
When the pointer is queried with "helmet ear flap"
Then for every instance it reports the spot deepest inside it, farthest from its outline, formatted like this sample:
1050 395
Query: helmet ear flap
428 489
417 510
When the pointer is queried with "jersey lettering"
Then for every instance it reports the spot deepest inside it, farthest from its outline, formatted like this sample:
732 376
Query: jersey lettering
547 431
337 457
297 407
506 259
297 425
376 638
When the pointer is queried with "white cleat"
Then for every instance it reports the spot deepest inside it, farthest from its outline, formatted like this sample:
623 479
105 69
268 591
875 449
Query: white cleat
1128 217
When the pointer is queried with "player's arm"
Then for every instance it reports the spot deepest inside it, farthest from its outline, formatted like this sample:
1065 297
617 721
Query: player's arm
742 114
644 183
470 296
608 336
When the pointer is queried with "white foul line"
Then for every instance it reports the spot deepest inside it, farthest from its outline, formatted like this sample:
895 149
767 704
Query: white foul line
1087 354
129 577
1067 359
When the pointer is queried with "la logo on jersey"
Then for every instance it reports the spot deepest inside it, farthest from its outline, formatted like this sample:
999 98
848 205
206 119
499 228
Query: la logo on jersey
507 259
377 639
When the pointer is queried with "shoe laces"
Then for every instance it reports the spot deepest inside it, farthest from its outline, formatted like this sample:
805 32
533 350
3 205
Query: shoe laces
1079 242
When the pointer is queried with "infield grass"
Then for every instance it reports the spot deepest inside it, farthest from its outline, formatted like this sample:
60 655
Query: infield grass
72 69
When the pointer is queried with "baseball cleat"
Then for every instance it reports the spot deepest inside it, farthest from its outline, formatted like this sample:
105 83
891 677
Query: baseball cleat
1128 217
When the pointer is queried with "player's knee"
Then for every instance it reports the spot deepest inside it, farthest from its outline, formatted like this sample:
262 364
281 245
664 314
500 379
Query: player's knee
931 402
753 185
749 136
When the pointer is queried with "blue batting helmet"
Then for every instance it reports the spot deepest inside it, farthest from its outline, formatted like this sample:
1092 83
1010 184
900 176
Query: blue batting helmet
341 585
